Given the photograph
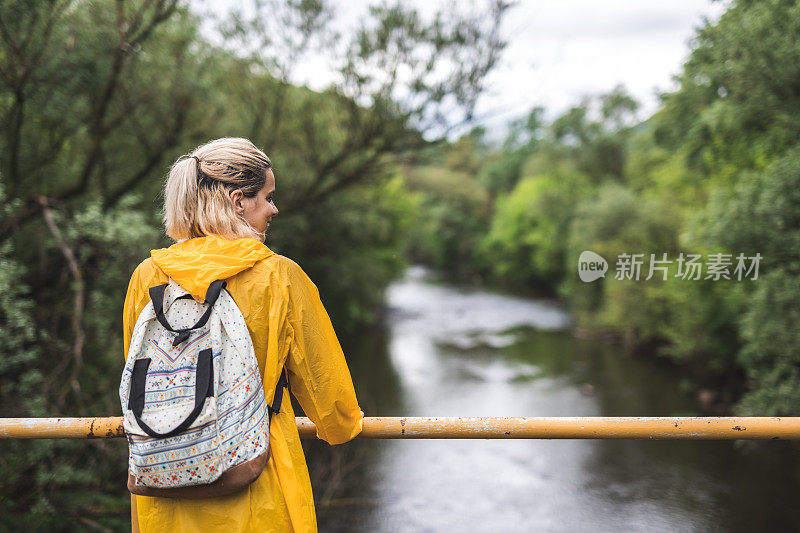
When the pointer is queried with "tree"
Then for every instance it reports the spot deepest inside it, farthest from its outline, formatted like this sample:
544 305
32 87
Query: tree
399 75
737 105
99 97
760 216
525 244
611 222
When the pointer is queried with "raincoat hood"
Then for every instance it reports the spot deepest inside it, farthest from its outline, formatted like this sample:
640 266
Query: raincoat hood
195 263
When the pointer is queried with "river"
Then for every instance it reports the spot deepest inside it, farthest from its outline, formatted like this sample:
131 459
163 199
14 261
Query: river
459 351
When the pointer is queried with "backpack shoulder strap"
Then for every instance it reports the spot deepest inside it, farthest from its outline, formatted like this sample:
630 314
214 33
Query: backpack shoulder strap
283 381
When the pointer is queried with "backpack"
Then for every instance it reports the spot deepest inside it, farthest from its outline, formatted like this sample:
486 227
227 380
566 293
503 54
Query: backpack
195 415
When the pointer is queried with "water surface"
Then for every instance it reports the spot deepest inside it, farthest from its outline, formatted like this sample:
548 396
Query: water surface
457 351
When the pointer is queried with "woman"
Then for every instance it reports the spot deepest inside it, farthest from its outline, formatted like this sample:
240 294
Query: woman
219 202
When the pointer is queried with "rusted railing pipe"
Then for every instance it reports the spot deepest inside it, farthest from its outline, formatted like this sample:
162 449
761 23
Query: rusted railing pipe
681 428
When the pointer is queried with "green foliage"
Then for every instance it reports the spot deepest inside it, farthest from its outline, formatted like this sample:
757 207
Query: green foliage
501 174
17 341
657 173
761 216
770 354
700 326
613 221
737 106
501 171
450 214
32 378
353 245
593 135
466 154
98 98
526 242
714 170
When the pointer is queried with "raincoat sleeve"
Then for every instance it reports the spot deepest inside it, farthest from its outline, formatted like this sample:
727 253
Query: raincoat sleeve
318 373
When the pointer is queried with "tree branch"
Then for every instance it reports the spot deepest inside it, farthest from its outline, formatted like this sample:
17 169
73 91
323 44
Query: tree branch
77 316
97 127
155 158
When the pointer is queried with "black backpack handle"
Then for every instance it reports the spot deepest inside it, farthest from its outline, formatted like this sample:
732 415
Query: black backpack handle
204 387
157 296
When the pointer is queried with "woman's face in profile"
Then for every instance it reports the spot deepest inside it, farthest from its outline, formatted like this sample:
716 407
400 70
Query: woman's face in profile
259 210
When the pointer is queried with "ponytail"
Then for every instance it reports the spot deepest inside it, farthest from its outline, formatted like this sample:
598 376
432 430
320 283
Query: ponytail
196 201
180 198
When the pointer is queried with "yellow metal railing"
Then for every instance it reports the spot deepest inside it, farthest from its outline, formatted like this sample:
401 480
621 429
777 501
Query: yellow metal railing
680 428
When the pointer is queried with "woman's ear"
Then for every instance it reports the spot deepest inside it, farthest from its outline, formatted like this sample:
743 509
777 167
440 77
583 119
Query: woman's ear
236 197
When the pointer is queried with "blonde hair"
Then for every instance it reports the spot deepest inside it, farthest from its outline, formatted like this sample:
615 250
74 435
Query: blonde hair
196 200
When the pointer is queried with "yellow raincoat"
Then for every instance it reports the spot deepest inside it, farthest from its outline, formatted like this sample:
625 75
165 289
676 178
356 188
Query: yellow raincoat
288 325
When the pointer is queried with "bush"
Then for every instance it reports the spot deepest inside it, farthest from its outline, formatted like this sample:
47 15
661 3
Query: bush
611 222
525 245
761 215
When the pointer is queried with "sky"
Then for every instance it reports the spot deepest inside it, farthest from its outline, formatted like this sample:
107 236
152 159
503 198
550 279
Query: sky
560 51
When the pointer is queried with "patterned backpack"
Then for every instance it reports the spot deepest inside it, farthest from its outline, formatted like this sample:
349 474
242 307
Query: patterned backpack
194 409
